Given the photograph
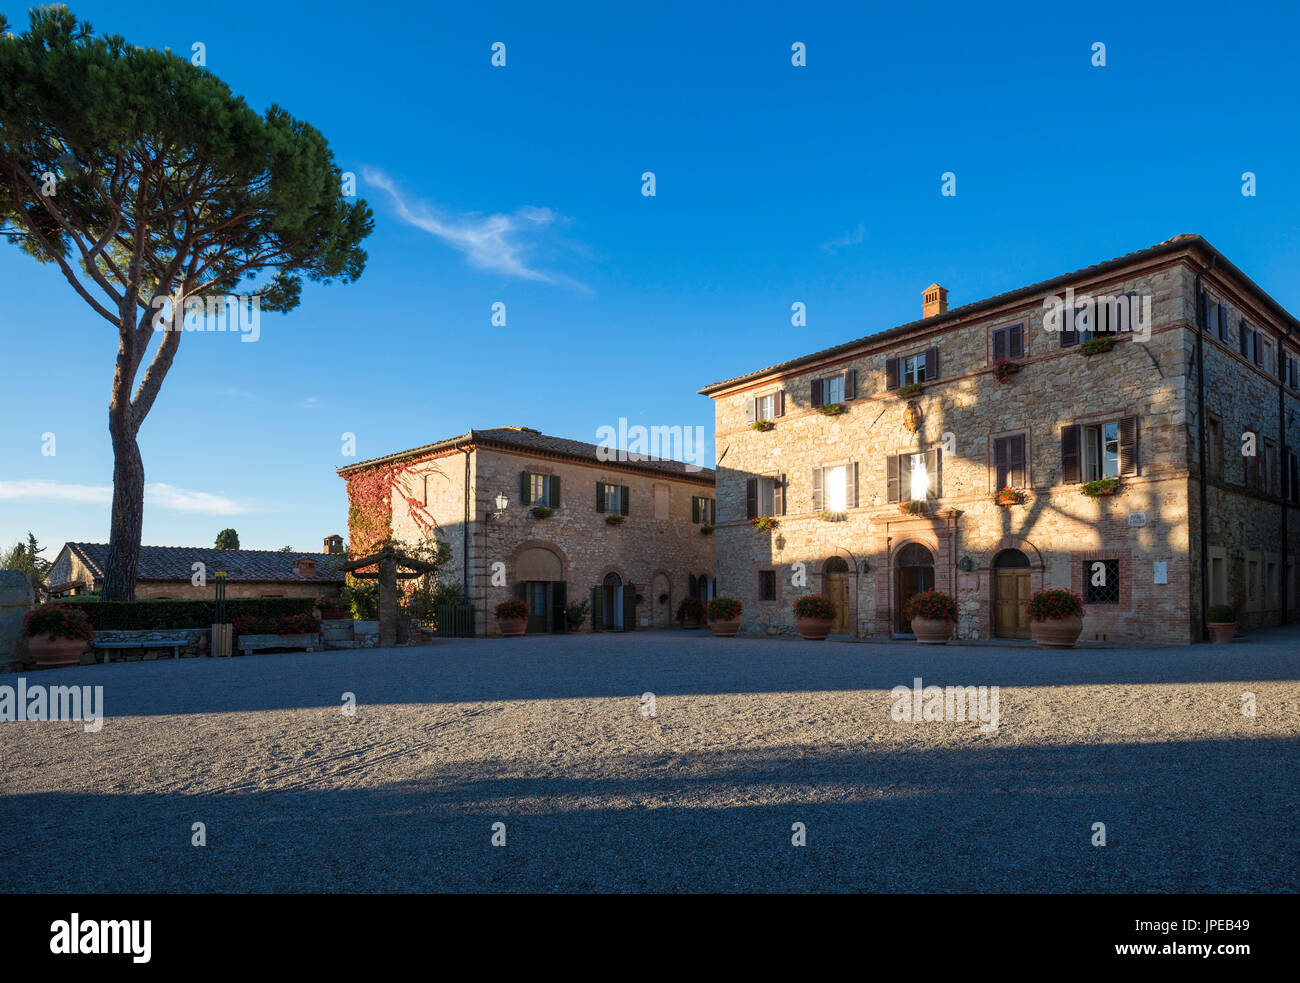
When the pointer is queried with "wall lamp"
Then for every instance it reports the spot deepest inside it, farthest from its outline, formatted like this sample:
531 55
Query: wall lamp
965 564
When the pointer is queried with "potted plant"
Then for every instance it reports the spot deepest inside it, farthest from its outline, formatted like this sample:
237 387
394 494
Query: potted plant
1004 369
763 426
1221 619
724 616
1100 488
831 409
512 617
813 616
1056 618
690 613
575 616
764 523
57 634
912 507
1095 346
615 519
1008 497
933 615
542 511
911 389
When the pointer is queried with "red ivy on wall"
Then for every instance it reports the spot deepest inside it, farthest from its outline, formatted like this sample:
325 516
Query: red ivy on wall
370 504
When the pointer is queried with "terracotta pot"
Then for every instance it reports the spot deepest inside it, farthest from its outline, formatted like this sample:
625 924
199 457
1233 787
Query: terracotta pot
691 623
932 631
725 629
512 627
1057 633
51 652
813 629
1221 631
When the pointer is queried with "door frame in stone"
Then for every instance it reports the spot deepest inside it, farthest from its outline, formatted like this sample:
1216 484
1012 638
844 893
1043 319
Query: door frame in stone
851 577
987 570
896 573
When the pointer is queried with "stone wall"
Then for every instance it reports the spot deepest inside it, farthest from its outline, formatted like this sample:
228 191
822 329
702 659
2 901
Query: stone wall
15 601
1058 529
196 644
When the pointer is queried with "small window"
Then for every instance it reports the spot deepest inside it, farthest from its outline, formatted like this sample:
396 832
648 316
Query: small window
912 472
765 406
767 496
911 369
703 510
1101 578
835 483
614 499
537 489
832 389
767 585
1101 451
1268 476
1009 462
1009 343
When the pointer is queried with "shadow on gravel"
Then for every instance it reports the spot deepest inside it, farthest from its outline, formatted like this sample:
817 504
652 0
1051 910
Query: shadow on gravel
620 665
1213 816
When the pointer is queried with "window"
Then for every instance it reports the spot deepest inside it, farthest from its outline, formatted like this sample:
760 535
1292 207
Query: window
1101 451
1009 343
832 390
765 496
703 510
766 406
1214 445
1264 350
836 488
1246 339
612 498
767 585
914 475
1216 318
1101 580
539 489
1009 462
1218 580
1292 374
922 367
1268 474
913 369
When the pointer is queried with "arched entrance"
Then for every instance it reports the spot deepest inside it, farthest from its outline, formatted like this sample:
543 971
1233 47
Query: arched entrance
612 608
1011 595
539 582
836 571
913 574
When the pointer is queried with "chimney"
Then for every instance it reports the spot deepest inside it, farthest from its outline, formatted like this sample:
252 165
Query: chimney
936 301
334 544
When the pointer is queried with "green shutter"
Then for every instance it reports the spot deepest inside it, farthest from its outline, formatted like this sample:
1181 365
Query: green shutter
623 498
600 496
695 508
553 489
525 489
597 615
629 607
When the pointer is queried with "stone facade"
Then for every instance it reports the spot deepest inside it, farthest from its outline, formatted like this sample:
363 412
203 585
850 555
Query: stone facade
657 553
1144 392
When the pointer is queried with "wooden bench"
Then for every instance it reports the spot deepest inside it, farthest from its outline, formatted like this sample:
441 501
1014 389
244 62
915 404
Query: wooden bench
175 644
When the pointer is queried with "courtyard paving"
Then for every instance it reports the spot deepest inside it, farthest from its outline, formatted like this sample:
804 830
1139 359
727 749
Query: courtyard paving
601 787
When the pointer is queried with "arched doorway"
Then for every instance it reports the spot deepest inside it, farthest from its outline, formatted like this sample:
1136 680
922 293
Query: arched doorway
913 574
539 582
836 589
1011 595
612 608
706 588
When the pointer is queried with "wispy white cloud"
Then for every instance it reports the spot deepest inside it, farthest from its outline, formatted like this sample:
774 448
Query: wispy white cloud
852 237
310 402
493 242
156 495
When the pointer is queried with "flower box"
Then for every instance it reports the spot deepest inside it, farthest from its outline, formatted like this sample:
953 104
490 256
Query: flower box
1005 369
1008 497
1101 488
831 409
1096 346
615 519
764 523
542 511
763 426
913 507
911 389
706 530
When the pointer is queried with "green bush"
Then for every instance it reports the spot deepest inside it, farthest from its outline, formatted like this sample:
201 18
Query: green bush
155 615
1221 614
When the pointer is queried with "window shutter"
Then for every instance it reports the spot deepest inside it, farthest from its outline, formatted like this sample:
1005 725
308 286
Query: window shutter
553 489
1016 461
1016 341
624 497
692 585
695 508
751 410
891 373
780 403
891 477
1258 346
999 344
1000 463
854 499
1070 465
751 498
1128 446
933 475
778 495
559 601
851 384
931 364
817 490
600 496
817 392
1241 337
597 612
1223 324
1069 336
525 489
629 607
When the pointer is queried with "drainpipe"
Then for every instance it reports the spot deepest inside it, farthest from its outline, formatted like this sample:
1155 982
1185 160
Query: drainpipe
1282 463
1201 442
464 536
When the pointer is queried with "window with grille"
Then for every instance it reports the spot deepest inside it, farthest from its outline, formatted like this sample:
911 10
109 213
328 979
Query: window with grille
767 585
1101 581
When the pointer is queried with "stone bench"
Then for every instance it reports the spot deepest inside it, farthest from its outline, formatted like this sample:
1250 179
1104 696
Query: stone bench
248 644
175 644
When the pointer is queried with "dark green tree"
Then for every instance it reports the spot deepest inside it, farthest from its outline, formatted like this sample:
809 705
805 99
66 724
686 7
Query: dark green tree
148 182
27 558
227 539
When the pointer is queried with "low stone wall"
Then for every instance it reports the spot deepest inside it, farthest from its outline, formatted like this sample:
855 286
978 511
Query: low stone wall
196 644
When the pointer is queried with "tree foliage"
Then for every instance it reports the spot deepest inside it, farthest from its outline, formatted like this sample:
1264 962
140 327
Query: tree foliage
26 557
227 539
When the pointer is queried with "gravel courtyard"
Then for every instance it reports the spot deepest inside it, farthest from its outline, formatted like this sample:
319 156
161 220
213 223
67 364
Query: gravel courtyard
551 737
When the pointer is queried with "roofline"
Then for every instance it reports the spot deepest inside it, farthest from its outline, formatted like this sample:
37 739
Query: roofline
1177 244
475 439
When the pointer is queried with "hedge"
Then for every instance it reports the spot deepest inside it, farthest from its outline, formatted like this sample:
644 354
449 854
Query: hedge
146 615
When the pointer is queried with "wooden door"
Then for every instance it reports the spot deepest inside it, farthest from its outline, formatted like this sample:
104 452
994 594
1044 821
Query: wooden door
837 590
1011 604
911 580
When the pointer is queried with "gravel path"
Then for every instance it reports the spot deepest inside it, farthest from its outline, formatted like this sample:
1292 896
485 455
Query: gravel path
749 736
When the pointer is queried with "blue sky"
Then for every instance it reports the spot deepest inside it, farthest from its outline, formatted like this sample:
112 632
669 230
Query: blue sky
522 185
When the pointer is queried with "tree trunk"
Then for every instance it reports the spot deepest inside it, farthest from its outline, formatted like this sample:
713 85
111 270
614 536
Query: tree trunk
128 512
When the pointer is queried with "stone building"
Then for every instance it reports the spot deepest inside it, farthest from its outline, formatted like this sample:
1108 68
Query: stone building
169 571
548 520
835 445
